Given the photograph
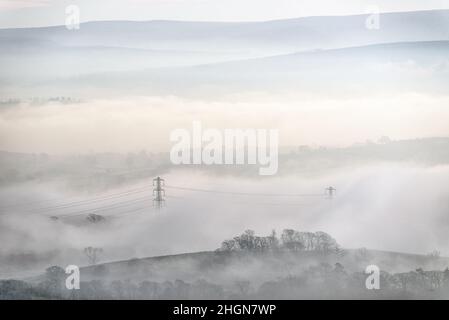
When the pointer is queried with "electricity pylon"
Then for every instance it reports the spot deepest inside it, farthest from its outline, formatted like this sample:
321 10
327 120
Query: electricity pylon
158 193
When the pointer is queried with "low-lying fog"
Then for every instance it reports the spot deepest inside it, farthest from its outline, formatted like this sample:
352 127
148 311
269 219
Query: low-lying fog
396 207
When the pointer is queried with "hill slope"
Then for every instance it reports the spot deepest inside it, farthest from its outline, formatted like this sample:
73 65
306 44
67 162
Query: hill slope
227 267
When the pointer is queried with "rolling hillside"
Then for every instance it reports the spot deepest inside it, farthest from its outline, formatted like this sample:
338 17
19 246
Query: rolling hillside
223 267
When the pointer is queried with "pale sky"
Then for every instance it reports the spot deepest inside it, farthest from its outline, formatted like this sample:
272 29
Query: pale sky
26 13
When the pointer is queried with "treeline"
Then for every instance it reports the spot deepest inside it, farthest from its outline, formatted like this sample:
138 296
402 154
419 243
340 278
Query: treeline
322 281
290 240
39 100
52 286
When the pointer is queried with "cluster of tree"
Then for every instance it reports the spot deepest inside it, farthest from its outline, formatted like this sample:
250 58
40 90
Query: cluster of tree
53 288
290 240
95 218
10 102
323 281
38 100
326 282
417 280
59 99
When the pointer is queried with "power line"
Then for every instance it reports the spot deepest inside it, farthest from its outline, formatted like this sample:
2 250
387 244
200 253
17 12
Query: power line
247 193
257 203
76 178
89 201
159 201
137 210
114 214
102 208
94 200
107 207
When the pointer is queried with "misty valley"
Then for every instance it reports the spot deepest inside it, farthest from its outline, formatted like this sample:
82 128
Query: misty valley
157 151
100 208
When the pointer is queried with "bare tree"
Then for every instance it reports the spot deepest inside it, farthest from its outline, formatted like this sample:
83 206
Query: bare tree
92 254
435 254
229 245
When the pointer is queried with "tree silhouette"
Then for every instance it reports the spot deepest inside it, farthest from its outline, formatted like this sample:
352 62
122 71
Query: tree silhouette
92 254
